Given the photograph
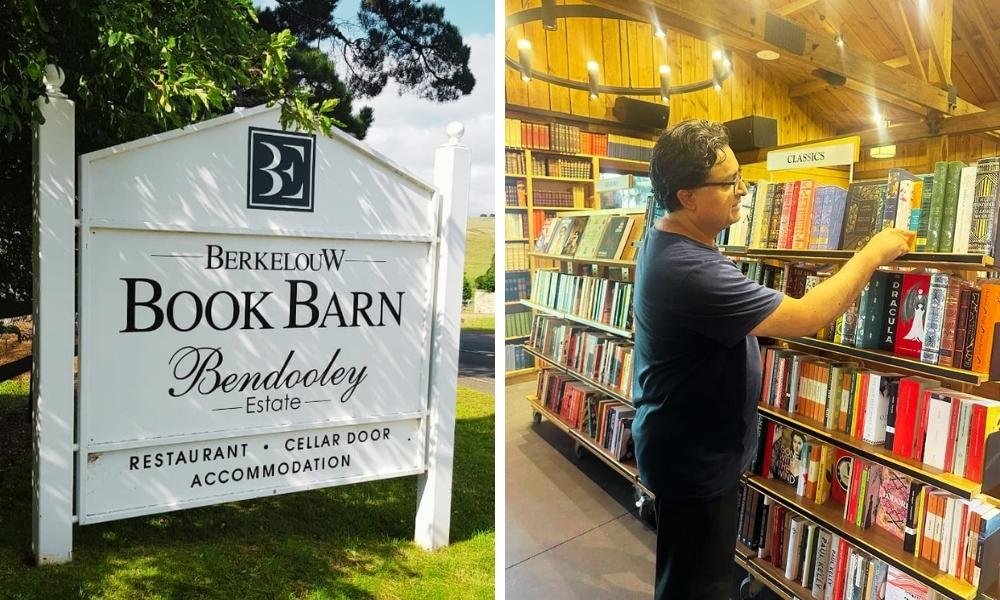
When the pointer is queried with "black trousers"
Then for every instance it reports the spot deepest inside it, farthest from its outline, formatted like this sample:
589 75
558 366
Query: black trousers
695 542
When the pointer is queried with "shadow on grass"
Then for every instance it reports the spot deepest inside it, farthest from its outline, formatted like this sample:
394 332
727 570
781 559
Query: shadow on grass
339 542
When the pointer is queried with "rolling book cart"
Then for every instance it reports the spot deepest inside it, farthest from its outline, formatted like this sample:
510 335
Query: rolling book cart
551 169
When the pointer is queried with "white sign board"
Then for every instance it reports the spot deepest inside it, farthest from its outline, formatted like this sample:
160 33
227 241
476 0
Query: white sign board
256 317
815 156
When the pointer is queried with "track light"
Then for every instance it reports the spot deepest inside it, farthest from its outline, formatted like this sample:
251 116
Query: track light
592 71
839 40
524 58
659 33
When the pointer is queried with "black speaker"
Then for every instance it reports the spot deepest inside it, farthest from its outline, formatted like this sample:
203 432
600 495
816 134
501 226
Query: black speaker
751 133
641 115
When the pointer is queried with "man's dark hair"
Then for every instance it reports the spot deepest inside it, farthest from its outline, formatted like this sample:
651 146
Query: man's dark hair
682 158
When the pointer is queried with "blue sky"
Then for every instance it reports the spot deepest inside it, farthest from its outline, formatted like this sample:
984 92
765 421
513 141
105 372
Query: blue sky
407 129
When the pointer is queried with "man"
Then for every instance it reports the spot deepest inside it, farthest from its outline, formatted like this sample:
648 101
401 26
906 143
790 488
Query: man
697 369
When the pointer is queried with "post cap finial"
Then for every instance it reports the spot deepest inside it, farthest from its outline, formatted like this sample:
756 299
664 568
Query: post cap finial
455 131
53 78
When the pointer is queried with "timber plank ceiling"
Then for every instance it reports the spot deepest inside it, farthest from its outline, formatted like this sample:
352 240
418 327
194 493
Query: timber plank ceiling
900 58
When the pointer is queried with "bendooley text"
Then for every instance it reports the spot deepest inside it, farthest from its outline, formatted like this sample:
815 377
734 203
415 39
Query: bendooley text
197 369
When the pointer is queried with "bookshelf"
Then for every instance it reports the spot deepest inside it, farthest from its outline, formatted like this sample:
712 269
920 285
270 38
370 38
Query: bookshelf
873 540
769 575
551 170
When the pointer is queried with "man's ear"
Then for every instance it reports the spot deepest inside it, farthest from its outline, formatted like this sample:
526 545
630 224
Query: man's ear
686 198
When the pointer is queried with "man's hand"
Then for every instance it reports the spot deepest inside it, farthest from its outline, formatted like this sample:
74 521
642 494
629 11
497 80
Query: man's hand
888 244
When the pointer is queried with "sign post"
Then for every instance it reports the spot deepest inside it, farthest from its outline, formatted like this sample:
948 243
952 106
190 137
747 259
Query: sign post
53 162
452 164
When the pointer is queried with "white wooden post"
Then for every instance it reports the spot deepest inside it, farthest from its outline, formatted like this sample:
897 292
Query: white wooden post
53 164
452 165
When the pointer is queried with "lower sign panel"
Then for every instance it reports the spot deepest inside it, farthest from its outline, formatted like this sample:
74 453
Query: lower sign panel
153 479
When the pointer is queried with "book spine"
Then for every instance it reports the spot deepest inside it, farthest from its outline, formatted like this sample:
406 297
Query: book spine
950 206
895 285
936 208
946 354
983 229
971 332
934 321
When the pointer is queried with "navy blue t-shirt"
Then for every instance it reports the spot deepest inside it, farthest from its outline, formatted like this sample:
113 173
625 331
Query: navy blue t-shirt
697 368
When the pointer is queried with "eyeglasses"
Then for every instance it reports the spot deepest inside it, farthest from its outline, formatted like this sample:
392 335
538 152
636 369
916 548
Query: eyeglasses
736 183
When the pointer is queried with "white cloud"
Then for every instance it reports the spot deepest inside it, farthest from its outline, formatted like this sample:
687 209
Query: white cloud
408 129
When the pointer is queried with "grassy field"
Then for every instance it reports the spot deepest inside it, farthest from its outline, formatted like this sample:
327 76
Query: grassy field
342 542
479 246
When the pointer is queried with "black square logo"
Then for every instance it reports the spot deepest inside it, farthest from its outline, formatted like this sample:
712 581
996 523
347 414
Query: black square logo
281 170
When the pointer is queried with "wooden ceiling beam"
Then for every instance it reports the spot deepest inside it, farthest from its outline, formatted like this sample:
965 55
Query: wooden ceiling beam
740 25
938 19
809 87
909 43
794 7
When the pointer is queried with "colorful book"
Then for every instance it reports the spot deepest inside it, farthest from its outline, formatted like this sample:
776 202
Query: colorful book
862 213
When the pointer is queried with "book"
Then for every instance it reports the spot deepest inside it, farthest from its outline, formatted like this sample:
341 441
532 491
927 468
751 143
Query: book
591 236
893 503
573 235
893 293
936 208
983 230
949 210
912 310
937 296
616 232
972 329
920 218
861 214
989 317
786 451
963 212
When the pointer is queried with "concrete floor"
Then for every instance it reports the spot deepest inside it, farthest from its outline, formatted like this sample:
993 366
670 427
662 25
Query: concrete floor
569 529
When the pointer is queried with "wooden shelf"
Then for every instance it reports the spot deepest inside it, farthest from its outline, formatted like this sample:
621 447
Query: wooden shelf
873 540
513 303
943 260
589 261
509 240
886 358
517 372
558 313
952 483
617 395
624 164
559 208
516 337
509 207
769 575
563 179
517 175
626 469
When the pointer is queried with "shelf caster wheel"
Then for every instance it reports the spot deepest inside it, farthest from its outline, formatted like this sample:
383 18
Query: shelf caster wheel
750 588
645 507
536 417
578 450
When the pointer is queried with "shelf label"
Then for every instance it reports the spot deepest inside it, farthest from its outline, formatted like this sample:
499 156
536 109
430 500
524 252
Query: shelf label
812 156
613 184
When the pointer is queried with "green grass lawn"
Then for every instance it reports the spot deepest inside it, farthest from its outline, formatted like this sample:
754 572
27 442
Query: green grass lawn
483 323
343 542
479 246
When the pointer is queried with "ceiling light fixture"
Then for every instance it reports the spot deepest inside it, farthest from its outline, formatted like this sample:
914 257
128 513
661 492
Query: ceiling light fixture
524 59
556 13
592 71
768 55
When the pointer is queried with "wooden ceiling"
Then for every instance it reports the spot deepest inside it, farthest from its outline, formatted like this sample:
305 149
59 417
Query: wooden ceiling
900 57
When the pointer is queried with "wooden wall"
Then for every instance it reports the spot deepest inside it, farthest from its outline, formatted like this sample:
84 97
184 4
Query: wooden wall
629 55
920 156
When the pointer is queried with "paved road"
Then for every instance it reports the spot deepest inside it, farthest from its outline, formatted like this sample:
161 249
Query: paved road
476 361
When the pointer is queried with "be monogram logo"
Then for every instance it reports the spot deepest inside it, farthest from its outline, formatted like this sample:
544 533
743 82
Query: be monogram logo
280 170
